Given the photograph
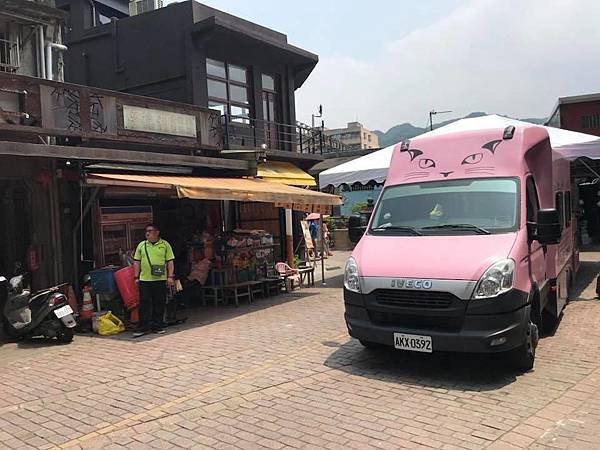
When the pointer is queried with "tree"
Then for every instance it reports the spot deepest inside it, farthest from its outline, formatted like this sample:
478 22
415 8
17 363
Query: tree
358 207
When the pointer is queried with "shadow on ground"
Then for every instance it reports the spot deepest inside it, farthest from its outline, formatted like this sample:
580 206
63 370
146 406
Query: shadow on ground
451 371
586 276
193 316
197 315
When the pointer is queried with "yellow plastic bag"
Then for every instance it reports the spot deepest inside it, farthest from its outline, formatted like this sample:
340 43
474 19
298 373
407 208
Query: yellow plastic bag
110 324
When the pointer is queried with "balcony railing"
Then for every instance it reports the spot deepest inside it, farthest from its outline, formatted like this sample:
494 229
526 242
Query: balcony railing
9 56
240 132
35 107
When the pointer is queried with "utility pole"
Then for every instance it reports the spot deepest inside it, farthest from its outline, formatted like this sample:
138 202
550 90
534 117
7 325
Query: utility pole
432 113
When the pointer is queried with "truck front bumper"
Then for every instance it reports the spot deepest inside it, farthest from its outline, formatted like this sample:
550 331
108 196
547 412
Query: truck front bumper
474 333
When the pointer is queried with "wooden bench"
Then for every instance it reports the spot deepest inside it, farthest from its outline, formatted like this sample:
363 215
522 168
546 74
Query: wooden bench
236 292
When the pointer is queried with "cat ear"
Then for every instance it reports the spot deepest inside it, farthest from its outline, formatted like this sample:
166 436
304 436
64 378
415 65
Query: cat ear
491 146
413 152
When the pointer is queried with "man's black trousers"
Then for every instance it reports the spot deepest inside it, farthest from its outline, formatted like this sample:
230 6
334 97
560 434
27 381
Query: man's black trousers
153 298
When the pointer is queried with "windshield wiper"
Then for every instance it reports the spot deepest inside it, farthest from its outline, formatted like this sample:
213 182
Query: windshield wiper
458 226
412 230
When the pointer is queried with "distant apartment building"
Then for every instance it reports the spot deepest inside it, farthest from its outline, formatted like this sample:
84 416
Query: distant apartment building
577 113
355 136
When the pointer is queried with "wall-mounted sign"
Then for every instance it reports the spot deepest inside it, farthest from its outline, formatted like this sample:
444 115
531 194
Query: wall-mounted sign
157 121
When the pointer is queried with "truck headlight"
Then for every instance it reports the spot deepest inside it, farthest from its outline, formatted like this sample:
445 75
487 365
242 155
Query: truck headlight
351 280
497 280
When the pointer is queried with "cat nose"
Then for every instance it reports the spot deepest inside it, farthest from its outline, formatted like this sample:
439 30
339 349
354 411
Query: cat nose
446 173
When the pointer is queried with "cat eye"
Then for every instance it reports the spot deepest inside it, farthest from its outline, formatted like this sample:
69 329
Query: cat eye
473 159
426 163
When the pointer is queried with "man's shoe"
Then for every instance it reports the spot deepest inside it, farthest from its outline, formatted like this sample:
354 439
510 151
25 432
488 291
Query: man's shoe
159 331
138 334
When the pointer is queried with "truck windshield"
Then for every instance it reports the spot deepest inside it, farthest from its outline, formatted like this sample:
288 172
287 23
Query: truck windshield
472 206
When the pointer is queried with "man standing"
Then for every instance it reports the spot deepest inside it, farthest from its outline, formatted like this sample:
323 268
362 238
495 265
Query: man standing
154 267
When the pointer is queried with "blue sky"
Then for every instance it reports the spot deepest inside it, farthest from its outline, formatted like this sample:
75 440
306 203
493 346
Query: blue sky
394 61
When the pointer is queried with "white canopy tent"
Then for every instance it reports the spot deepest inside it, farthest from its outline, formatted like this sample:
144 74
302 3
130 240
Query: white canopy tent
374 166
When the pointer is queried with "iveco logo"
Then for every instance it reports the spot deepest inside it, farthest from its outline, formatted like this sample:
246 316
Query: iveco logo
411 284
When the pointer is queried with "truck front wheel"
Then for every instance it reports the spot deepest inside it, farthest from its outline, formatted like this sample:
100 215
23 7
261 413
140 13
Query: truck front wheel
523 357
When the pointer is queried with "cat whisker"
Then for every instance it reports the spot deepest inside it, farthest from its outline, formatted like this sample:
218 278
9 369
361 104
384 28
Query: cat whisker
415 177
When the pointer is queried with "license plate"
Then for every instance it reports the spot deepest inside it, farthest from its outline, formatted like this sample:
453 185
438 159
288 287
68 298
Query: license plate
413 342
64 311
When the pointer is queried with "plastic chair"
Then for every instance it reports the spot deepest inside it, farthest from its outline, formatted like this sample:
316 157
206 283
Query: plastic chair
288 274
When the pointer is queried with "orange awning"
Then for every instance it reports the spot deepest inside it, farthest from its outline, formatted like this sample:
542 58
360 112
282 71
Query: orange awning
240 189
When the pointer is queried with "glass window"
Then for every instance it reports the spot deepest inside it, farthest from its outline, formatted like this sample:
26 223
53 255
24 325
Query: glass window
238 94
435 207
215 68
533 204
559 204
568 210
227 86
240 114
237 73
219 106
217 89
268 82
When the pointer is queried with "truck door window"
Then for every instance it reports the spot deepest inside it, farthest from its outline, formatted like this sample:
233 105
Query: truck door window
533 204
559 205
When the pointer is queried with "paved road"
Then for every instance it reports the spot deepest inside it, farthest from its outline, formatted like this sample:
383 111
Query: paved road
283 373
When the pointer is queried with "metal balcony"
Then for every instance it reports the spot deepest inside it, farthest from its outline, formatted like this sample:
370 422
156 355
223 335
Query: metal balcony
9 56
241 132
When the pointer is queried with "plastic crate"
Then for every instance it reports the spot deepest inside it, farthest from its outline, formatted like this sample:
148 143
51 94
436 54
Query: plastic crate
103 281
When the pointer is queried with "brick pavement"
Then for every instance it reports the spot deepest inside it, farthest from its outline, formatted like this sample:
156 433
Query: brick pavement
283 373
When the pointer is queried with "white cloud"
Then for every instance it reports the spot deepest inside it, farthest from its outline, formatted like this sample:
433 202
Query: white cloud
511 57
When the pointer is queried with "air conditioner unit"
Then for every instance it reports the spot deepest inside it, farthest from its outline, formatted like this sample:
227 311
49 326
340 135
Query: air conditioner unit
141 6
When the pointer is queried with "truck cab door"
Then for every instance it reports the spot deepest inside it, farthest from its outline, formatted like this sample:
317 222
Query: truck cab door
536 258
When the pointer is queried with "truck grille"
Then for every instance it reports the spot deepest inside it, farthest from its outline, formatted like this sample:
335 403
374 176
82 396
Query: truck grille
414 299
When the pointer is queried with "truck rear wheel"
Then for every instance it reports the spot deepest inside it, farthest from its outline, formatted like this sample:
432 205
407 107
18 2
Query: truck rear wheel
549 322
522 358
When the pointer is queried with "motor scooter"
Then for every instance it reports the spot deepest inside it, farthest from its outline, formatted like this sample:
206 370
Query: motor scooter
46 313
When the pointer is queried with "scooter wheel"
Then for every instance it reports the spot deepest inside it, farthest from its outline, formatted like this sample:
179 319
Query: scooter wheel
65 336
8 331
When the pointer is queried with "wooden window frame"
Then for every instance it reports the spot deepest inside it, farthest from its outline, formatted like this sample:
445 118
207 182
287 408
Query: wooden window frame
228 83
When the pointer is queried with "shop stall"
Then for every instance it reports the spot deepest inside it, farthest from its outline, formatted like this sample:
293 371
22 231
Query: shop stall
225 232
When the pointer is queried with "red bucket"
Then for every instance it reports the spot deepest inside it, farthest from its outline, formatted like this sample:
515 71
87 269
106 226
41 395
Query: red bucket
125 280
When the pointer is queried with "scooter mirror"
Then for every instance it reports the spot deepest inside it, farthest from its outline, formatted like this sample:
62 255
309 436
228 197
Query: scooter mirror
16 282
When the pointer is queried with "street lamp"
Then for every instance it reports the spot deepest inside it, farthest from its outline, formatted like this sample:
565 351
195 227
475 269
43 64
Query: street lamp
432 113
318 116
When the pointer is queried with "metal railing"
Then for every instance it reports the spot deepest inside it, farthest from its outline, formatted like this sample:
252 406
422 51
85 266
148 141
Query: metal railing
9 56
240 132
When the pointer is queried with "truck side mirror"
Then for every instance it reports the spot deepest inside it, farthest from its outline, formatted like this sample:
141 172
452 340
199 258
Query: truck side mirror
547 229
355 228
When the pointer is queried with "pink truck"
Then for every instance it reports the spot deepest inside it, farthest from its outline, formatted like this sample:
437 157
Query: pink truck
470 247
